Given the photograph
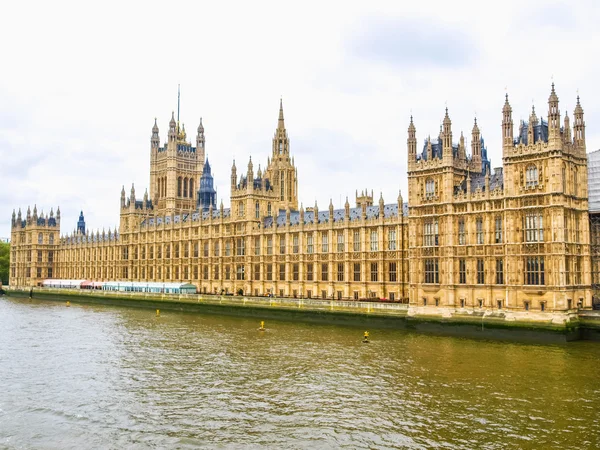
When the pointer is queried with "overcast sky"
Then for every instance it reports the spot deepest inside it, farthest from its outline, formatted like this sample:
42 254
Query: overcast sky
80 87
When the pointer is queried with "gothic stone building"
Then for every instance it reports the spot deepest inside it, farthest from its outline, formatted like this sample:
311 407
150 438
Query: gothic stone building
513 238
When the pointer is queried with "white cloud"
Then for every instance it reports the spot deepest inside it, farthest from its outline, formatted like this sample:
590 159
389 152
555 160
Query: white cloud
81 85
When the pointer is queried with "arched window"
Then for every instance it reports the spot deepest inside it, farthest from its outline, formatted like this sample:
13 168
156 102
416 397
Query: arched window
429 188
185 187
179 187
575 181
531 176
40 238
269 209
282 186
191 188
257 210
51 238
564 180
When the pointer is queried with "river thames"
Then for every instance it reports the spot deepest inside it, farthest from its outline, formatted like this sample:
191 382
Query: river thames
106 377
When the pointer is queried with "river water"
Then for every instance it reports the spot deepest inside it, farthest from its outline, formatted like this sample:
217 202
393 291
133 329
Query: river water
107 377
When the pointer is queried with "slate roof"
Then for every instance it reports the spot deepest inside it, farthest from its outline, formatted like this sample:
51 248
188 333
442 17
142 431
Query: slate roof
540 132
390 210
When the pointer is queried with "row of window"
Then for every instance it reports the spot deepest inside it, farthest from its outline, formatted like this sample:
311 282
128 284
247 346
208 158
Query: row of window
238 247
534 271
533 231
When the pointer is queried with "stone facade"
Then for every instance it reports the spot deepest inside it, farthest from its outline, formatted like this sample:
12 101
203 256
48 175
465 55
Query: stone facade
515 238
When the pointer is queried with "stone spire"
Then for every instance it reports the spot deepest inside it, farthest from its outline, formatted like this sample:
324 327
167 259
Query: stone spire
579 127
553 116
412 142
281 123
200 141
507 125
155 140
476 147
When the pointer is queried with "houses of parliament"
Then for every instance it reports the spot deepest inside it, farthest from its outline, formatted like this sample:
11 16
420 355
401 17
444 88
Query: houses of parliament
469 236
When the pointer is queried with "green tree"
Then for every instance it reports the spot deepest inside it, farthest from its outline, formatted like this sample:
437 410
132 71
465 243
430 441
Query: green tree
4 262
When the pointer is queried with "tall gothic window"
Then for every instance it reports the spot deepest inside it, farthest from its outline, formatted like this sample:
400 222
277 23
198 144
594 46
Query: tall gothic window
429 188
462 271
269 209
309 244
479 230
531 176
356 241
499 271
325 242
431 233
498 230
282 185
282 245
340 242
534 270
393 272
480 272
392 239
374 241
462 236
534 227
257 210
431 269
356 271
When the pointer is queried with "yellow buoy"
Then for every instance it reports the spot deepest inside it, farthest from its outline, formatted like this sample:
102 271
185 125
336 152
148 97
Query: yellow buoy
366 338
68 303
157 312
262 326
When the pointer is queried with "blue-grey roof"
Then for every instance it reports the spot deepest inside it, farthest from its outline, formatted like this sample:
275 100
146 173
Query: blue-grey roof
478 182
194 217
540 132
390 210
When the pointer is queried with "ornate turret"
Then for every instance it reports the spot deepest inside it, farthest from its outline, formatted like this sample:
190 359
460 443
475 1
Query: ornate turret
316 212
447 133
28 217
132 196
123 197
381 204
19 217
346 209
462 154
58 214
81 224
280 140
233 176
553 117
567 130
507 125
579 127
35 214
14 219
250 173
200 136
301 214
172 128
533 122
476 147
207 195
331 209
412 142
155 140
